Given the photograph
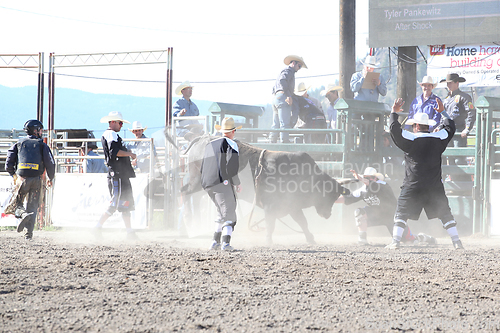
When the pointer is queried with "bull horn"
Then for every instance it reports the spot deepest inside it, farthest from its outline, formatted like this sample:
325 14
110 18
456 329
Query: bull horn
169 138
344 181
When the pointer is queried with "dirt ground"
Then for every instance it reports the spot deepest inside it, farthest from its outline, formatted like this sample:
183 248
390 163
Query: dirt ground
65 281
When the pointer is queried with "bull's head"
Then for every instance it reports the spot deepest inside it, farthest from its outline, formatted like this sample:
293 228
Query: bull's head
330 193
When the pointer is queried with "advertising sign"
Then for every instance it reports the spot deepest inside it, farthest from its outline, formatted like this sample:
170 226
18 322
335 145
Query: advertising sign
424 22
6 187
479 64
80 199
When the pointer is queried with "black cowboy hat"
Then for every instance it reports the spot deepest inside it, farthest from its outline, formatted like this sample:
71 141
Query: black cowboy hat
453 77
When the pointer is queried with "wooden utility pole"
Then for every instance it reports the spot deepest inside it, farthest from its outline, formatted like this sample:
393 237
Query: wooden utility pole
347 43
407 74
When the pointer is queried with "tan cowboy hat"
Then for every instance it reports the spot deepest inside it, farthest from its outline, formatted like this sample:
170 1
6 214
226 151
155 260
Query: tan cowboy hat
370 61
421 118
183 85
331 87
114 116
136 125
453 77
227 125
428 80
290 58
369 171
301 89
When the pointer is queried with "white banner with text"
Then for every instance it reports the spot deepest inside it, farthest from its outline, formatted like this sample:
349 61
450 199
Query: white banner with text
80 200
478 64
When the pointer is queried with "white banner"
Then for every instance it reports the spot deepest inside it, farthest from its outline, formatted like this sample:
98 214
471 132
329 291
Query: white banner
80 200
6 186
478 64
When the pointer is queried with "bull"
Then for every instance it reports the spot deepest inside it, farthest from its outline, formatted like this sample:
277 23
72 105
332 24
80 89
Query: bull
285 183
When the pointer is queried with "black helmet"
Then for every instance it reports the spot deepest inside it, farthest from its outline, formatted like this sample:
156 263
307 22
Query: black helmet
31 125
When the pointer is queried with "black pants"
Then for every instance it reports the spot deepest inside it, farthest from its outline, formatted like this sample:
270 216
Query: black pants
432 199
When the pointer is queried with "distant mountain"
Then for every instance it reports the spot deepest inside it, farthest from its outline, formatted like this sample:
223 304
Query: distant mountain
76 109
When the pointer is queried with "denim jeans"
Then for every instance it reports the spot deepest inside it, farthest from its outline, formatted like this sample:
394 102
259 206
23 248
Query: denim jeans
284 116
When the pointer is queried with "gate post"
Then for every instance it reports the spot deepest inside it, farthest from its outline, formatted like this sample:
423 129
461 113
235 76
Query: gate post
485 162
477 192
41 90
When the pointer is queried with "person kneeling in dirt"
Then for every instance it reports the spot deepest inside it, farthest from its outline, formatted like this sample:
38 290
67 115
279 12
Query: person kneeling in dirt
381 201
26 162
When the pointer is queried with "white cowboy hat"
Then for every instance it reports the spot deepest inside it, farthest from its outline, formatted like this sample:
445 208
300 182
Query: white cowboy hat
369 171
183 85
428 80
301 89
227 125
421 118
331 87
370 61
290 58
136 125
114 116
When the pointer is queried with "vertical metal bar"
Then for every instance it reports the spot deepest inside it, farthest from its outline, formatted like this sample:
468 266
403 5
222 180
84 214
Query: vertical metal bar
151 178
50 125
168 111
167 163
487 129
41 88
478 177
173 208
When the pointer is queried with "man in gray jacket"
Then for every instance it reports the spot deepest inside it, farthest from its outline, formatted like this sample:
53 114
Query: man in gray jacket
219 174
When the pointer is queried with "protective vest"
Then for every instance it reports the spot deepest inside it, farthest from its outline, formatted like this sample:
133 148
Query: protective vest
30 158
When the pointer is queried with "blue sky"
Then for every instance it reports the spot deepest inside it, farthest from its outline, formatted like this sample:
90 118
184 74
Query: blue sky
231 51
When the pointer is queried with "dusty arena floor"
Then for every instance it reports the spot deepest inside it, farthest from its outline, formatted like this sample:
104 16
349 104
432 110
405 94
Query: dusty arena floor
62 281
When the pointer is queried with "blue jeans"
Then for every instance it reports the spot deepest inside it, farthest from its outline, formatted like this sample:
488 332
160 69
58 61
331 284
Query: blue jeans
284 116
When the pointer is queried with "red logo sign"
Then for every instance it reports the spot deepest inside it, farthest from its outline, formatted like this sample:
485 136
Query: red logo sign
437 49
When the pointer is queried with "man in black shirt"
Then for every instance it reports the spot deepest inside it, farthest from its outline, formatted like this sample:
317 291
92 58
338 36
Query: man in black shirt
422 187
120 171
219 174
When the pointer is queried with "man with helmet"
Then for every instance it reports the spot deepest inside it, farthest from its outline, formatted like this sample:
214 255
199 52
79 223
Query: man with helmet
380 207
26 161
